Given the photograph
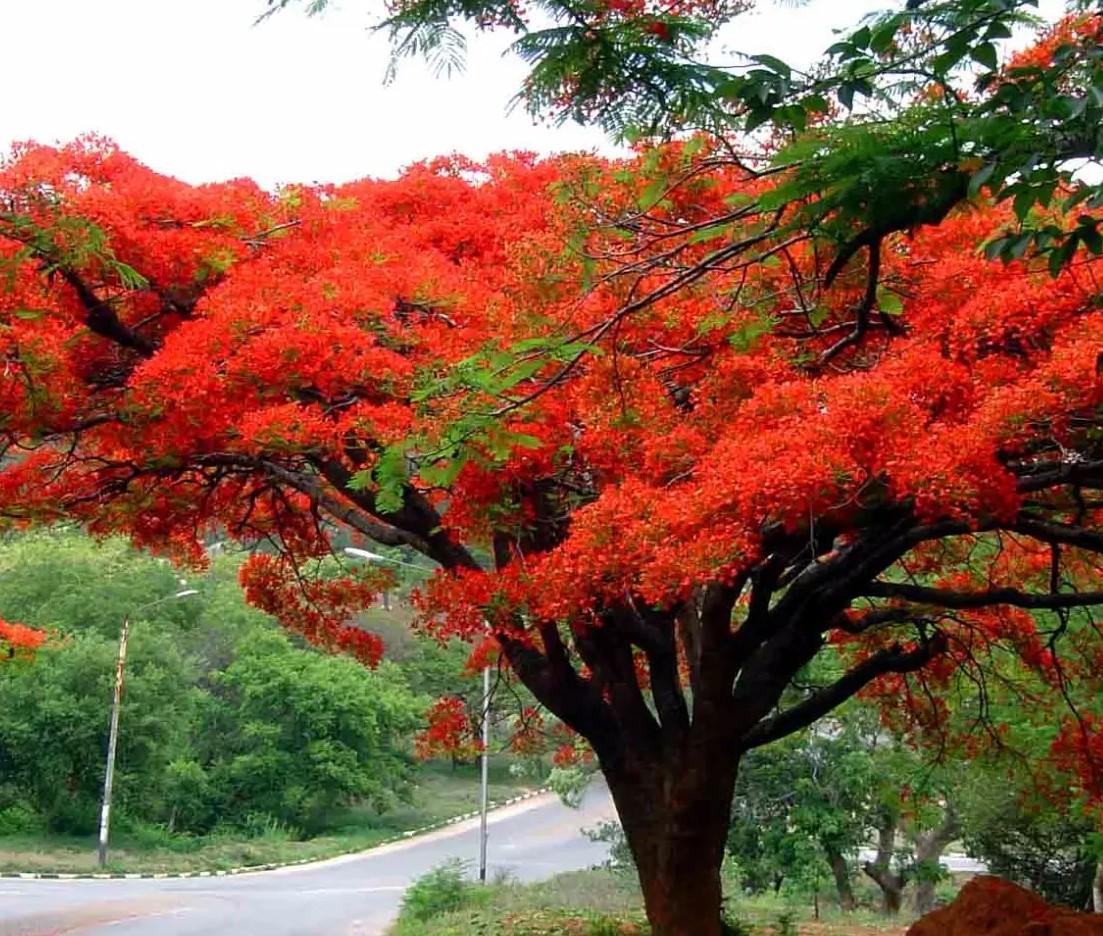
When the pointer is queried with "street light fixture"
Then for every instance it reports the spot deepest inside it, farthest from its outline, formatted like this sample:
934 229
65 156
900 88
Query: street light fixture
484 779
113 740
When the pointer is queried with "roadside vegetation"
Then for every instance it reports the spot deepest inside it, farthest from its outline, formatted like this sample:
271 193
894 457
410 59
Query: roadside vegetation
441 791
239 744
607 902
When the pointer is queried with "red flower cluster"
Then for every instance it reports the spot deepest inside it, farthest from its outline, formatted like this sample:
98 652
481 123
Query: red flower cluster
321 610
450 732
19 637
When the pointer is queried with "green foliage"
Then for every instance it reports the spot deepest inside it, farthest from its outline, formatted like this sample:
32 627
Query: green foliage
56 580
802 798
68 243
611 833
225 721
585 903
1045 846
54 732
443 889
300 733
733 927
785 925
570 783
20 819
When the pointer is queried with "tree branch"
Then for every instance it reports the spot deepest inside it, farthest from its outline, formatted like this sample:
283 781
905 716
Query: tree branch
1060 533
894 659
947 598
102 319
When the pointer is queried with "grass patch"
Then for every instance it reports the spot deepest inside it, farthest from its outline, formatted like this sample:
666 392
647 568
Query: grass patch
597 903
442 792
580 903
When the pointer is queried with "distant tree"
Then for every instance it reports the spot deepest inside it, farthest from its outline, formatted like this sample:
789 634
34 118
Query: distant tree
53 734
805 806
1052 848
223 716
295 734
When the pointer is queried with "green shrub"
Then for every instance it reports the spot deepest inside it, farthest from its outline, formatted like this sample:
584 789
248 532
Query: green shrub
785 925
604 926
260 825
733 927
442 890
20 819
611 833
154 835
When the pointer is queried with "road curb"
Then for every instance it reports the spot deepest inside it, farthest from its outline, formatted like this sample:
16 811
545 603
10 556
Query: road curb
271 866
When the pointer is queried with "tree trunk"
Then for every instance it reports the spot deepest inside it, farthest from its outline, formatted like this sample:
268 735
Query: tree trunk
880 869
892 887
676 829
929 847
924 897
1097 888
841 872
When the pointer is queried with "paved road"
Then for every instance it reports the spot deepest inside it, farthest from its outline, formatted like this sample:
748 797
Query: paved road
352 896
958 864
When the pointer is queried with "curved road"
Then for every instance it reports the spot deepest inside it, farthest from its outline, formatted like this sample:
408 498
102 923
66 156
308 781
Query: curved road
357 895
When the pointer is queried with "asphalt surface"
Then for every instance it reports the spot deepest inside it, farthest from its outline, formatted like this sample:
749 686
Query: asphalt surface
357 895
958 864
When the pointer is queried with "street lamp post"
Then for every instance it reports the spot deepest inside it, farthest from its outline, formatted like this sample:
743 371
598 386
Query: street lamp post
113 738
484 785
484 766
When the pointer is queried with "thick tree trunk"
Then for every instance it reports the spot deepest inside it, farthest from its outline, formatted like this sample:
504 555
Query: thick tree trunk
924 897
880 870
840 870
676 827
1097 888
929 847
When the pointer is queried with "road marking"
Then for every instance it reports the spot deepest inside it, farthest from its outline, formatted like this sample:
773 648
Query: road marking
355 890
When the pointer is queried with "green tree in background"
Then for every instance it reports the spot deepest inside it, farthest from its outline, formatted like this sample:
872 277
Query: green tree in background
54 731
806 806
294 734
1052 848
225 720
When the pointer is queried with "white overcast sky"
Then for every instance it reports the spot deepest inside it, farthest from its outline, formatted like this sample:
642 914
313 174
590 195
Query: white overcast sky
195 90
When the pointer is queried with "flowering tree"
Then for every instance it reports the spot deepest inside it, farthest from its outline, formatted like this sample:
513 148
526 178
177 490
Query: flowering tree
665 496
17 639
704 443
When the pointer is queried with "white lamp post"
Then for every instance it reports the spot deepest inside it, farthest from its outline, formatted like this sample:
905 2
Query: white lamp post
484 781
113 739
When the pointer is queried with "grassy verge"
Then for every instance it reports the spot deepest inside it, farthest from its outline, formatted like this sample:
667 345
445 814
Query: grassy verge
441 794
599 903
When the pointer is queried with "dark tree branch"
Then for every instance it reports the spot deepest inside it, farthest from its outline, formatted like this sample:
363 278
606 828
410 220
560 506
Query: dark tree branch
947 598
609 655
551 678
862 313
103 320
718 666
662 664
1060 533
871 620
894 659
1045 475
416 516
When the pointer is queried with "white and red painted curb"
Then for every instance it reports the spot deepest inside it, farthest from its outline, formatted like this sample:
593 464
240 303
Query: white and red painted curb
271 866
